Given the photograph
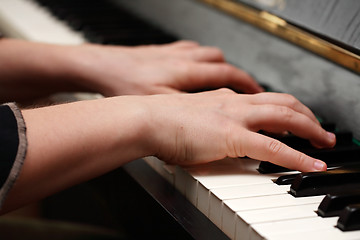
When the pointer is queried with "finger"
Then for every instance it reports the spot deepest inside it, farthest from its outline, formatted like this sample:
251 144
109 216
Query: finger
240 80
217 75
163 90
264 148
199 54
205 54
276 118
183 44
284 99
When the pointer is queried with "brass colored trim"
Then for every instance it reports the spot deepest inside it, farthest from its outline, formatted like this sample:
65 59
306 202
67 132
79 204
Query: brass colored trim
281 28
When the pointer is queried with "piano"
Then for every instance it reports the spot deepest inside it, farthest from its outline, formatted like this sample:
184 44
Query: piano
235 198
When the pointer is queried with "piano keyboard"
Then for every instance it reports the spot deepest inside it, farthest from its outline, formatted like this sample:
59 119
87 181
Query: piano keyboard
245 204
68 22
27 20
242 202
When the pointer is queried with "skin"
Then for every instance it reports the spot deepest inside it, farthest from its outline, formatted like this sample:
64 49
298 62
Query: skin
97 136
45 69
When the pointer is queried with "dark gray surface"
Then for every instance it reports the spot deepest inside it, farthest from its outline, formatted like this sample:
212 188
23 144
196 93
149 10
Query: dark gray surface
338 20
330 90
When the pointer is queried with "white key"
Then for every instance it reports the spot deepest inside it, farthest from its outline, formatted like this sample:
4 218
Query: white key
203 199
231 208
228 172
244 219
227 176
27 20
186 179
255 190
328 234
219 178
279 200
280 213
169 172
151 161
291 227
218 195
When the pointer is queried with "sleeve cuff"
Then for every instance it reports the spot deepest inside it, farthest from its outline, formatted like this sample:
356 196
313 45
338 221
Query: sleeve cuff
20 156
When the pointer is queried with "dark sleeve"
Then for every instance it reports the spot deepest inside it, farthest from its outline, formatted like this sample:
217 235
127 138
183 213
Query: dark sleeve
13 145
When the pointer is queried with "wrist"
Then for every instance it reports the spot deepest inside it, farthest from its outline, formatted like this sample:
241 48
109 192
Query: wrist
103 69
135 129
41 70
85 68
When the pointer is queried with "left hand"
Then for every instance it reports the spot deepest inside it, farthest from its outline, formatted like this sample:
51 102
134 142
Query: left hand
155 69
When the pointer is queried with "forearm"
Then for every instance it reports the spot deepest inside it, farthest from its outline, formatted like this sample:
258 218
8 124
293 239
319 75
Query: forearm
72 143
34 70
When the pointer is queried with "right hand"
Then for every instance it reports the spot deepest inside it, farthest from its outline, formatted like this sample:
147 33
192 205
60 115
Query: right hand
198 128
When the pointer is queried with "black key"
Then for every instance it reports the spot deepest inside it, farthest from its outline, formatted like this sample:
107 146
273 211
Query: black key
286 179
350 218
328 126
105 22
338 156
333 204
343 138
320 183
125 35
83 22
268 167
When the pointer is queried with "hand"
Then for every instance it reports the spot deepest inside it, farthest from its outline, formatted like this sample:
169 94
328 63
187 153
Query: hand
199 128
45 69
154 69
95 137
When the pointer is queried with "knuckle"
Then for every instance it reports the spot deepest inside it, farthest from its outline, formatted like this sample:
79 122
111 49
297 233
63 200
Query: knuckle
292 101
275 147
286 113
226 70
186 67
225 91
300 160
218 53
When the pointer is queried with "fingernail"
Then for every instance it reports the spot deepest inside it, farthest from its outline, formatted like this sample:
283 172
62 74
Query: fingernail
319 165
331 136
